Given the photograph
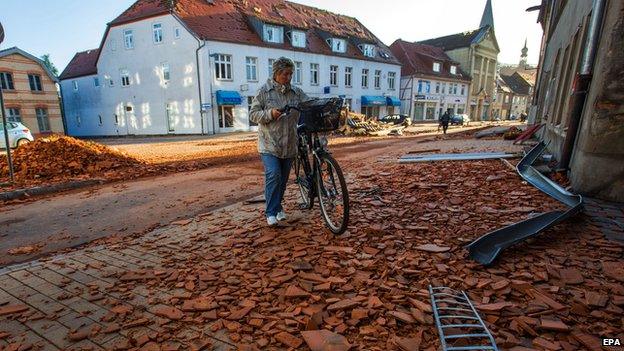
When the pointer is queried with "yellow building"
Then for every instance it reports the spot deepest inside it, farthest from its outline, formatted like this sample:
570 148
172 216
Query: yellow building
29 92
477 52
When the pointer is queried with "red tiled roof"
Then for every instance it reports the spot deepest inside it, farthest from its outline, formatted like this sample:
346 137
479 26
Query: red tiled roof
231 21
83 64
418 59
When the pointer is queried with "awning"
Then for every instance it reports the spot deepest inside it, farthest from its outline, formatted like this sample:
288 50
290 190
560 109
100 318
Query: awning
369 100
228 97
393 101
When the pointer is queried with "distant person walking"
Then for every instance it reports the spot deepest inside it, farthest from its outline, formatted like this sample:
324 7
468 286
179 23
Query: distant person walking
444 121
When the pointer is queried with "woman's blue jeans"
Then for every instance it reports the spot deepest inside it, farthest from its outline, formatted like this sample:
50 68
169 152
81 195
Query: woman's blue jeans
276 171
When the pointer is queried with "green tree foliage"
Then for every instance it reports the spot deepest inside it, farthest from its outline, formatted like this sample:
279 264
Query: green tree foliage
46 60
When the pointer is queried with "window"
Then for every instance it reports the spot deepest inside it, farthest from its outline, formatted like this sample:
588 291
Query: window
436 67
377 79
35 82
176 33
13 115
251 69
273 34
463 89
506 99
314 73
116 119
157 33
96 82
75 85
455 88
78 120
365 78
125 77
100 120
42 119
391 79
166 74
368 50
298 74
338 45
298 39
249 103
226 116
271 62
453 69
333 75
348 74
6 81
111 82
437 89
128 39
223 67
443 88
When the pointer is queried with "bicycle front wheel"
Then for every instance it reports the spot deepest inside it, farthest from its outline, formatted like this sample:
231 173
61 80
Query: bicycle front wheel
332 194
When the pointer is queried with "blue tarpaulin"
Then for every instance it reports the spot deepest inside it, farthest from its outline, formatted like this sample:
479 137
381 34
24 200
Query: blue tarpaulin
228 97
369 100
393 101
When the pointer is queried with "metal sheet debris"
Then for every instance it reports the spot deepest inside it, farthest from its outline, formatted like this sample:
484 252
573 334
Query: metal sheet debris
459 325
410 158
486 248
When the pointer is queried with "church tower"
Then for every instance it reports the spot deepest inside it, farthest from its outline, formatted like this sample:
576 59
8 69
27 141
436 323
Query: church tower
523 56
488 17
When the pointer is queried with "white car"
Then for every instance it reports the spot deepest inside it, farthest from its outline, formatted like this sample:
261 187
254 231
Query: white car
19 134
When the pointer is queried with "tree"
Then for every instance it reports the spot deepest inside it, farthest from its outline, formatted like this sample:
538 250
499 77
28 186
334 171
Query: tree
46 60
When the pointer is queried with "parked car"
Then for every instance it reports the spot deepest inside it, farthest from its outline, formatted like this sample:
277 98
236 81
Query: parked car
396 119
460 119
19 135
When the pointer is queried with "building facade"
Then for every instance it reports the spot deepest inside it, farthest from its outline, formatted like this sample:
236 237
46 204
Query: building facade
578 94
501 105
521 91
161 70
477 52
431 82
29 92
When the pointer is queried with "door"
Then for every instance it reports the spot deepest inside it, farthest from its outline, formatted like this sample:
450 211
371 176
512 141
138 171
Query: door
419 108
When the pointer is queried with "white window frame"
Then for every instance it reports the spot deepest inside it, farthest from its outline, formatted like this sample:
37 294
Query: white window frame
333 75
43 119
176 32
75 85
4 76
271 62
377 79
314 74
453 69
166 71
365 78
436 67
273 34
125 77
222 118
348 77
128 38
34 81
368 50
13 114
463 89
251 68
298 39
157 33
437 88
298 74
223 67
338 45
391 80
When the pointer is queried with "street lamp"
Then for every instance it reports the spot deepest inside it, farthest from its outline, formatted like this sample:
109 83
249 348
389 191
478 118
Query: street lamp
4 122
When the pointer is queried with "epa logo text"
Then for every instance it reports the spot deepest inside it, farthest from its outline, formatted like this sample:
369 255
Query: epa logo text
611 342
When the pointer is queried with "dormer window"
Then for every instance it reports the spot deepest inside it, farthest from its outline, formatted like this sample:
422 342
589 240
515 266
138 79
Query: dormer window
338 45
273 34
368 50
436 67
298 39
453 69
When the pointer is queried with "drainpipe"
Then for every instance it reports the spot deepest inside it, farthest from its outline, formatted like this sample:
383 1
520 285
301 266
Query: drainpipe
582 82
210 73
201 102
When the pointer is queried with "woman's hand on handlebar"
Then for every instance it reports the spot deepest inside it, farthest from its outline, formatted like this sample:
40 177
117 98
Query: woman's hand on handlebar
275 113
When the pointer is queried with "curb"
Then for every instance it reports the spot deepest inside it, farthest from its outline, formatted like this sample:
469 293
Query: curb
48 189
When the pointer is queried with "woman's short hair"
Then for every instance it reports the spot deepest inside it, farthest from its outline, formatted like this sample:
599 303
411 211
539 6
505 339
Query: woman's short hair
281 64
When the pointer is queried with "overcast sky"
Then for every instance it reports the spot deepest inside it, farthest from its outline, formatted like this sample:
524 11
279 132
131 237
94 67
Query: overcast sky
63 27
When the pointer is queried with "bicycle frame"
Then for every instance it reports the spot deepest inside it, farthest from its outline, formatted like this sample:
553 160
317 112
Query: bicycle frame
309 143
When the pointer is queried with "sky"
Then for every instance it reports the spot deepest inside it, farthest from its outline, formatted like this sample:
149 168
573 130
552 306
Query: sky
63 27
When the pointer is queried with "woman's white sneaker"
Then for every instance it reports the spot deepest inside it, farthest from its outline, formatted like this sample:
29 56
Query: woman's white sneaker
272 220
281 215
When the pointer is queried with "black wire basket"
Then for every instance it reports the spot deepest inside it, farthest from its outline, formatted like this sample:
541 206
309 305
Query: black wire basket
320 115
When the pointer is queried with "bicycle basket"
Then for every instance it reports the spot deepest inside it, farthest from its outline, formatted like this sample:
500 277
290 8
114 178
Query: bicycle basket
320 115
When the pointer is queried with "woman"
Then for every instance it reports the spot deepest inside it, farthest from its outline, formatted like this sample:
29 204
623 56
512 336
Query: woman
277 134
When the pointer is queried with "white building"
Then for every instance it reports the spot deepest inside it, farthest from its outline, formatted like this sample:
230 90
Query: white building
193 66
431 82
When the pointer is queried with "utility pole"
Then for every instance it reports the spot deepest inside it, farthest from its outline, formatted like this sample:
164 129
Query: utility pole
4 122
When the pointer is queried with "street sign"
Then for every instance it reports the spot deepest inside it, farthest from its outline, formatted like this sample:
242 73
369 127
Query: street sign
206 105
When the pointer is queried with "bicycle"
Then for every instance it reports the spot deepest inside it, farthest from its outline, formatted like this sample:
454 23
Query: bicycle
317 173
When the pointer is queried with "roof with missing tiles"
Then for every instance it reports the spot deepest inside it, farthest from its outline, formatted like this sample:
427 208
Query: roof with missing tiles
418 59
82 64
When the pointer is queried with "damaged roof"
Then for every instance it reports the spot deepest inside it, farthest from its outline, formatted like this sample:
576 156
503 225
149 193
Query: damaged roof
517 84
418 59
82 64
232 21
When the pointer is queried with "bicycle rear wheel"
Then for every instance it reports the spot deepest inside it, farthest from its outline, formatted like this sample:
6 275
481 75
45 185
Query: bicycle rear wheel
302 178
332 193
